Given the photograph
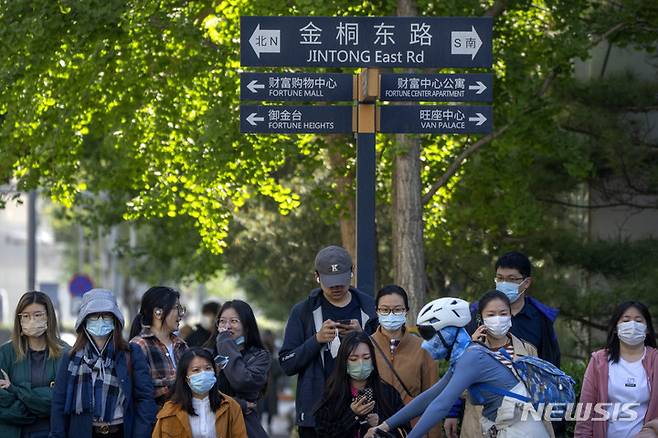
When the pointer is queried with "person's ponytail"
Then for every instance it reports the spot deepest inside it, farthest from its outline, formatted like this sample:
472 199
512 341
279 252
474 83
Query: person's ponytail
136 326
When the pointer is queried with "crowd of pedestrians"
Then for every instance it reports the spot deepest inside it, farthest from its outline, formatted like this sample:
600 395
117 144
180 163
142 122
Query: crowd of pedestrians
361 371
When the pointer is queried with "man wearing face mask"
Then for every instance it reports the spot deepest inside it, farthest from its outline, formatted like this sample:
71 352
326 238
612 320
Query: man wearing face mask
313 333
202 332
532 320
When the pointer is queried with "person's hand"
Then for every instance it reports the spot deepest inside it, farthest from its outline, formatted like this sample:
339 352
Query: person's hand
362 407
373 420
371 432
221 337
4 382
450 427
327 332
480 333
352 327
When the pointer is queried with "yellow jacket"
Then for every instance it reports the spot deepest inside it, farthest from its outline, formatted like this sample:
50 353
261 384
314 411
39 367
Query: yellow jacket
174 422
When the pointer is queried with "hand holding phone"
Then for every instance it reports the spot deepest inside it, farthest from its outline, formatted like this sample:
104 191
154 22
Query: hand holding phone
480 335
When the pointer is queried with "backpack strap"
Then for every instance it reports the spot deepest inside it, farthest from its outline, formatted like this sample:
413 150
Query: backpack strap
390 365
502 392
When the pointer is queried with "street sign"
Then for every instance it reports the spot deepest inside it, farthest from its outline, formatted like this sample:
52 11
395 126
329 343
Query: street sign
79 284
476 87
435 119
366 41
326 87
288 119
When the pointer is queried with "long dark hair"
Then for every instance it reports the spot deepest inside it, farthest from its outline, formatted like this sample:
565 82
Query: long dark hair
612 344
338 393
249 326
182 394
157 297
19 341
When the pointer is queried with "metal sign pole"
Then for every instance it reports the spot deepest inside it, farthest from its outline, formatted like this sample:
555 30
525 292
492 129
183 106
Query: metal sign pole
366 236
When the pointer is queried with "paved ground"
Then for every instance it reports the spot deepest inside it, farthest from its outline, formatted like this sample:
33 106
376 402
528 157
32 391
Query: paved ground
281 423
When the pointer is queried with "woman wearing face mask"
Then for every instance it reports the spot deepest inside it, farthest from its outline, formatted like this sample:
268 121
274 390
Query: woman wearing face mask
197 409
626 371
28 365
494 312
403 364
246 362
154 332
355 397
441 323
102 389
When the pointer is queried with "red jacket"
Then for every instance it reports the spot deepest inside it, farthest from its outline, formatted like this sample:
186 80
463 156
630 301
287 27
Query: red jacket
595 390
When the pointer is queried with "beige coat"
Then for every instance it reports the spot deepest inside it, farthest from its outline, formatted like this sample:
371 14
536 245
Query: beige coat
413 364
472 413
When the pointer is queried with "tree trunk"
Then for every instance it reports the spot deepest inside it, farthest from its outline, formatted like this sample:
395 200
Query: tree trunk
344 192
407 209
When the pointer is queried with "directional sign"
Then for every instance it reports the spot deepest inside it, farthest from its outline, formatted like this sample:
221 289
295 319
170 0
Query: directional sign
437 88
296 86
440 119
295 119
366 41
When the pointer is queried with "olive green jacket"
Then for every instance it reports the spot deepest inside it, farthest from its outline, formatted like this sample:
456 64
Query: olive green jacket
20 404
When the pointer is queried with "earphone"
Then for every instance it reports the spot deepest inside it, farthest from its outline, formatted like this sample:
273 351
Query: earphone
158 312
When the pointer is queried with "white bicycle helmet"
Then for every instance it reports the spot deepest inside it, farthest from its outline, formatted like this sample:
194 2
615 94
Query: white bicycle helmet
441 313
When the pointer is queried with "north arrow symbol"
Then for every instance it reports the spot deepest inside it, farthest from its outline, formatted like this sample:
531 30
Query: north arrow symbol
252 119
480 119
265 41
480 87
465 43
254 86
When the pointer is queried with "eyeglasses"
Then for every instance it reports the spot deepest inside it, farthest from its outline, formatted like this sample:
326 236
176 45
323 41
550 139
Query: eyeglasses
97 316
500 279
426 332
397 311
36 316
181 310
232 321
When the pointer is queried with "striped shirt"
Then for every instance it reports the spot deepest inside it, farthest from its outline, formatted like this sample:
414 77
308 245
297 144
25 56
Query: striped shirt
509 348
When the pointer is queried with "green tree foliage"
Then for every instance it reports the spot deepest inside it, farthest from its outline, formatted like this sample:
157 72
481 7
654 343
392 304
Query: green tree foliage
127 111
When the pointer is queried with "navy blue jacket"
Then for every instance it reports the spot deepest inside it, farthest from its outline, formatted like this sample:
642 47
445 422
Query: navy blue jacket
139 409
301 353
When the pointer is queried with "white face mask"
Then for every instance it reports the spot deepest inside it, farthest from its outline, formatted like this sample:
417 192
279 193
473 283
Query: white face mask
632 332
207 322
498 325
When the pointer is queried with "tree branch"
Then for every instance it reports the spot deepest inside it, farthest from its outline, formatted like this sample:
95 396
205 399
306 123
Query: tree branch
456 164
598 206
584 321
496 9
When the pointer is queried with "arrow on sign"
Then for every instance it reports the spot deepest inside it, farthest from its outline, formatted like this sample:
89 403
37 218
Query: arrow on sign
252 119
480 119
480 87
254 85
265 41
465 43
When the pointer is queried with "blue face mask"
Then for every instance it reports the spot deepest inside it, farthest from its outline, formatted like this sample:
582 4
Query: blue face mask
100 327
510 289
436 347
392 322
456 340
201 383
239 340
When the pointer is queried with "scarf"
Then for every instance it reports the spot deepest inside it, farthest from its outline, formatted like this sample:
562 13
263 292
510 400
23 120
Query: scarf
101 398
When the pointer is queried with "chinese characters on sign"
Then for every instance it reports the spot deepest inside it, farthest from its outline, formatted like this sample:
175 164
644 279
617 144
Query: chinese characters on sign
295 119
476 87
444 119
296 86
366 41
